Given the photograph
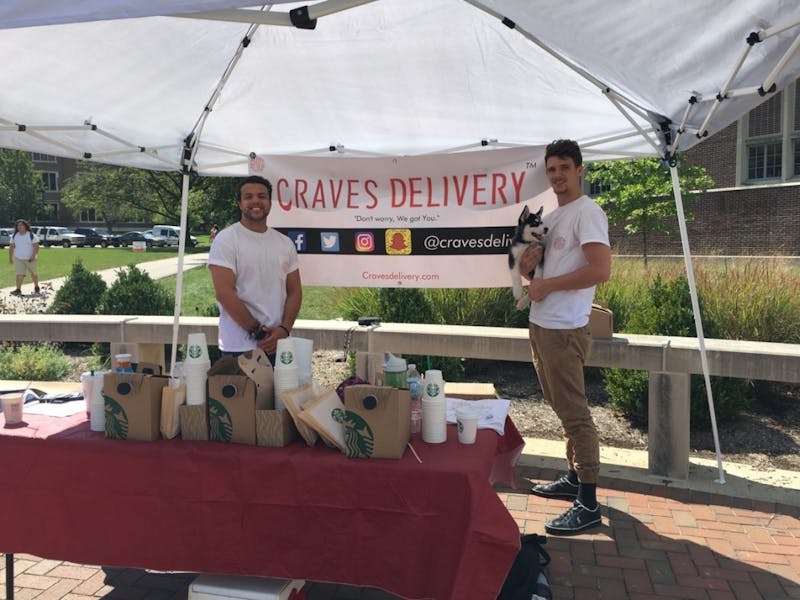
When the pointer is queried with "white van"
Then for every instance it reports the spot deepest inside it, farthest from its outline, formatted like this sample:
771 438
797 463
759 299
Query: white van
172 233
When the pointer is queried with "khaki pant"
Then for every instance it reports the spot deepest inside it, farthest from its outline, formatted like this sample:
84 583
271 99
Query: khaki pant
558 357
23 266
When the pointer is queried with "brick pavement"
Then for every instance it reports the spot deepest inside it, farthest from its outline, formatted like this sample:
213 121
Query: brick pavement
655 542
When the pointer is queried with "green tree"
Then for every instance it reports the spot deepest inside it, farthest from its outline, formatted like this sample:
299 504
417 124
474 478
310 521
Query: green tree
120 194
20 187
639 193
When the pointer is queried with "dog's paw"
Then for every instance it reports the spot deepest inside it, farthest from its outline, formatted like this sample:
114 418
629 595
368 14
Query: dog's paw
523 303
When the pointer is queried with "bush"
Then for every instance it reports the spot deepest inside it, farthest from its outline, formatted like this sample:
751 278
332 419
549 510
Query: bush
135 293
666 309
42 362
80 293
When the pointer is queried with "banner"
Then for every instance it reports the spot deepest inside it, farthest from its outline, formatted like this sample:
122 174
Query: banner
441 220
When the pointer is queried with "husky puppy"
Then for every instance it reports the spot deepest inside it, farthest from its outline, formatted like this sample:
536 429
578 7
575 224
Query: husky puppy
529 230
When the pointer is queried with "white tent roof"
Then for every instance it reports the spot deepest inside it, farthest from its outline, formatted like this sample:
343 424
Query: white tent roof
103 79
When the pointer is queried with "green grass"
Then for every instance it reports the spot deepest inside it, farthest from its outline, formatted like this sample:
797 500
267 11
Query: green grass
198 295
57 262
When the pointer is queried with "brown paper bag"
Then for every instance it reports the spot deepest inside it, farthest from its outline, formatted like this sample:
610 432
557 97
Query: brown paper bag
377 421
171 400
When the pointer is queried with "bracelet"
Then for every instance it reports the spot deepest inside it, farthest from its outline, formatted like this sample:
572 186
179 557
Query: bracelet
288 333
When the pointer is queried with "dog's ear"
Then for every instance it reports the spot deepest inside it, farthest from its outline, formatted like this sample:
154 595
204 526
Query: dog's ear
541 209
524 216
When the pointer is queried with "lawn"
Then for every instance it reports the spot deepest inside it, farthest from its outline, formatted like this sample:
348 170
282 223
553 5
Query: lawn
57 262
198 296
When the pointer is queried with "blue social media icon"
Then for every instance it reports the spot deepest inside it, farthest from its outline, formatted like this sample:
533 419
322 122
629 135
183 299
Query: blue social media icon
329 241
298 239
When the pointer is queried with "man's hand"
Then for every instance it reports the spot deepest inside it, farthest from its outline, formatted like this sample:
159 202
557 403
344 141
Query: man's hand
530 258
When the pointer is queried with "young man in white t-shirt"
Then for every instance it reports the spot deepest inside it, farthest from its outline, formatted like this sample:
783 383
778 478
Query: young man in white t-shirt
256 276
577 257
22 253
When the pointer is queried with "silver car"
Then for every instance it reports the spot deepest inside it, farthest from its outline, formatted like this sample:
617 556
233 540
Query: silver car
5 237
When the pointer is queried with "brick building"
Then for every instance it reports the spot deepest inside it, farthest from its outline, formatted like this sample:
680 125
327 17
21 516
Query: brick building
754 205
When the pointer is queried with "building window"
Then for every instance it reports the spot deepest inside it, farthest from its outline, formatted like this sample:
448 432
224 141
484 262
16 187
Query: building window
35 156
764 161
88 216
50 180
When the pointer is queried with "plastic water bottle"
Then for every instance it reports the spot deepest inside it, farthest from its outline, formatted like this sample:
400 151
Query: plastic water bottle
414 382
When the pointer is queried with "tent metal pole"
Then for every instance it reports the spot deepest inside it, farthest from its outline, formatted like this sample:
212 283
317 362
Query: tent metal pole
176 318
698 321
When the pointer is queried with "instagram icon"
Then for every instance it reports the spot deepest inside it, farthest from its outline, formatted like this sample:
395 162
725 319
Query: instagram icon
365 241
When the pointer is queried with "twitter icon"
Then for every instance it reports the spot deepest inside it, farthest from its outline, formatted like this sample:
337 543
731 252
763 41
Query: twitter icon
329 240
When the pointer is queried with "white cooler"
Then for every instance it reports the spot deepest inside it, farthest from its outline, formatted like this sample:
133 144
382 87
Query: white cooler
236 587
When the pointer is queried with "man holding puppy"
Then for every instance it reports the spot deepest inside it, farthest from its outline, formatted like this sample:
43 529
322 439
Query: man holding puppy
577 257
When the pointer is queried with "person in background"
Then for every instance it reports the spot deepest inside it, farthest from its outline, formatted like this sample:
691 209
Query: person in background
256 276
213 233
577 257
22 253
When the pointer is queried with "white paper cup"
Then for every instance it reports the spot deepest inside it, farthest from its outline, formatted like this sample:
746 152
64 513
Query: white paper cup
304 351
196 349
196 375
285 354
467 422
434 421
433 385
12 408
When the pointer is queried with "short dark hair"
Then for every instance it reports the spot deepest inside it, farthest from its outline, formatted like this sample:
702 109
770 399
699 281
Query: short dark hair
564 149
254 179
24 222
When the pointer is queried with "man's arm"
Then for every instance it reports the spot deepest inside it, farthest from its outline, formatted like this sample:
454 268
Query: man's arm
35 250
291 308
11 253
596 270
224 281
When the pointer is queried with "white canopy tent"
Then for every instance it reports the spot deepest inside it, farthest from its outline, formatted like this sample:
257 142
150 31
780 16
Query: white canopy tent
215 83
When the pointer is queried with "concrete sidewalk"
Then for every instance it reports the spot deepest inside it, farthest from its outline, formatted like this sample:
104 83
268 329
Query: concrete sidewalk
157 269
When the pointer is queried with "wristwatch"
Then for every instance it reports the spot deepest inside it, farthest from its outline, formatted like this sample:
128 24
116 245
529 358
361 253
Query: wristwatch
256 333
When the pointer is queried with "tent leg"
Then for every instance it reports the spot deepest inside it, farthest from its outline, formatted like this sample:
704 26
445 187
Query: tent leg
176 320
687 256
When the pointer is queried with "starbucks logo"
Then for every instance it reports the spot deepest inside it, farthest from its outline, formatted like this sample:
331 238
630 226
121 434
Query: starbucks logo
220 423
195 351
432 389
116 425
287 358
460 427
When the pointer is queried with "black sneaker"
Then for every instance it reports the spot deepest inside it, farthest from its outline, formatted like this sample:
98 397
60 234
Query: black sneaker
560 488
17 292
36 290
575 520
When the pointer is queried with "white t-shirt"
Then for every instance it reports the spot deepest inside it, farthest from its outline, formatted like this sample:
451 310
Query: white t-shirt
260 262
23 244
570 226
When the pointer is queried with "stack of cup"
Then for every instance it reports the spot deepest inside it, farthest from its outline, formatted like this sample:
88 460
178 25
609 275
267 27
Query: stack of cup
287 371
434 408
12 408
304 350
195 368
92 384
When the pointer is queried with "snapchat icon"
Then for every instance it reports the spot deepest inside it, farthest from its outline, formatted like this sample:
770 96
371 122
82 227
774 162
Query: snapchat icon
398 241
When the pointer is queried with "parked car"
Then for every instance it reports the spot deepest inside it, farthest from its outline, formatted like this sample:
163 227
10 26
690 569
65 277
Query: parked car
127 239
58 236
5 237
97 237
158 240
173 235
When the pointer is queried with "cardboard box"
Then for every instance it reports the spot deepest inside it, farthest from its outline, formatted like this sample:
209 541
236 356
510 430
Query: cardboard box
275 428
132 403
377 421
601 322
231 403
237 587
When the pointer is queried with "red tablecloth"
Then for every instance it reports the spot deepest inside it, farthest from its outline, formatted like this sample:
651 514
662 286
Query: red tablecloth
430 530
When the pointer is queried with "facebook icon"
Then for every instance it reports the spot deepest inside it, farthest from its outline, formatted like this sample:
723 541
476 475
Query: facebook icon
299 240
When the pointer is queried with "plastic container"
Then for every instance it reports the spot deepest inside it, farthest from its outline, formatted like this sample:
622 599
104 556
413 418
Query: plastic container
394 371
124 363
413 379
